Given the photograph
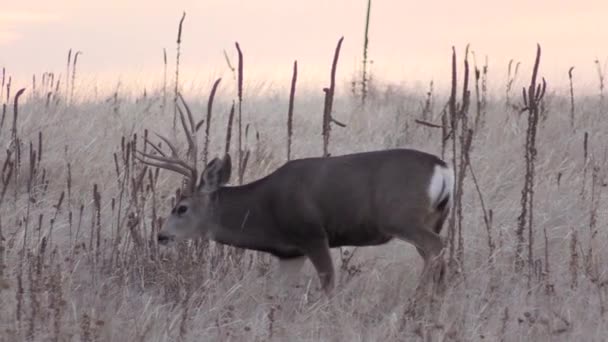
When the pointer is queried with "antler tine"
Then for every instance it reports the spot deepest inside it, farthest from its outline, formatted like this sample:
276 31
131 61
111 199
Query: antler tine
171 147
156 148
172 161
189 112
165 165
191 144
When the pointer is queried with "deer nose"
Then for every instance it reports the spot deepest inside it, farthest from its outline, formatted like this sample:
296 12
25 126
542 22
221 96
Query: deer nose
163 238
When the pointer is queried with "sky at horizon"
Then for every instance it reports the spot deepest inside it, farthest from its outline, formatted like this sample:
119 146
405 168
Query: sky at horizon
410 41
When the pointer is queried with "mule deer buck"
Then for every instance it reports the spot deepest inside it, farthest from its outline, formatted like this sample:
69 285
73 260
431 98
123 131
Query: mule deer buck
308 206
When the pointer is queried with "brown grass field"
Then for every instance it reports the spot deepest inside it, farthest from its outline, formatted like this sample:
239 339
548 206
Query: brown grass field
78 216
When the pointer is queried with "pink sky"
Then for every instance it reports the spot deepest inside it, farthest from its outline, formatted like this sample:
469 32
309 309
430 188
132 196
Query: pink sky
410 40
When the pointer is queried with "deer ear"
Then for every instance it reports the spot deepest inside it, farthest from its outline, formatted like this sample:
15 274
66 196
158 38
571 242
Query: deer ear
216 174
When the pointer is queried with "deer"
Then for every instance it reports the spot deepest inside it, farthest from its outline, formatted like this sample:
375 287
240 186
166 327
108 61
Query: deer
308 206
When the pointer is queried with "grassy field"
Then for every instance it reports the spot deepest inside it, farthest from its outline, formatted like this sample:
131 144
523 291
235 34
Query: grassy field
78 216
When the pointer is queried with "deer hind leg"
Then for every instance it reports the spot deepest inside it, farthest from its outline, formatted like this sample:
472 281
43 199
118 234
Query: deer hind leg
429 246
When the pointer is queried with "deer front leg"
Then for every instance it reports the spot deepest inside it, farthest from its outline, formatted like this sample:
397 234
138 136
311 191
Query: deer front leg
319 255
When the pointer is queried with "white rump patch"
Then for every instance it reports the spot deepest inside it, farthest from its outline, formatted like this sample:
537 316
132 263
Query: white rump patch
442 185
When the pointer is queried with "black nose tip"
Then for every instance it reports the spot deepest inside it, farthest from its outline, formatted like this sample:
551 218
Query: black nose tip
162 238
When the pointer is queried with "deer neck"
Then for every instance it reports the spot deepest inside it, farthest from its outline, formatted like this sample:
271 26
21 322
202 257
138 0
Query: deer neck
242 220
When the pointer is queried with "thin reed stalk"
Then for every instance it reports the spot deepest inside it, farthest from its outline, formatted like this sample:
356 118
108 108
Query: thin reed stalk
511 79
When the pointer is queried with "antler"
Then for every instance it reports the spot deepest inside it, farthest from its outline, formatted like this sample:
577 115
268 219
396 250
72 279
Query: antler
173 162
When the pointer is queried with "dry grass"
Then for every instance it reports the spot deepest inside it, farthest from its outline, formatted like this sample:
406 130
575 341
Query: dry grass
79 259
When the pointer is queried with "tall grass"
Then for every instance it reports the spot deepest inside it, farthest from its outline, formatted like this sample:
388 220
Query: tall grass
79 216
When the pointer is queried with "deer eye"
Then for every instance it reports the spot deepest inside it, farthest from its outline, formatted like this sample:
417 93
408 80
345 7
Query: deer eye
181 209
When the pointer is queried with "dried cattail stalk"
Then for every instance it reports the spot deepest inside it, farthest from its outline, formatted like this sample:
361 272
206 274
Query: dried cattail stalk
364 80
465 137
601 77
484 85
86 334
16 114
596 191
479 104
571 97
329 100
57 87
51 80
452 110
7 174
164 92
67 76
547 271
511 79
34 92
8 89
531 98
58 205
574 257
585 163
229 129
427 110
444 130
271 321
56 301
19 296
240 113
244 166
3 81
78 53
95 239
177 58
292 94
2 249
